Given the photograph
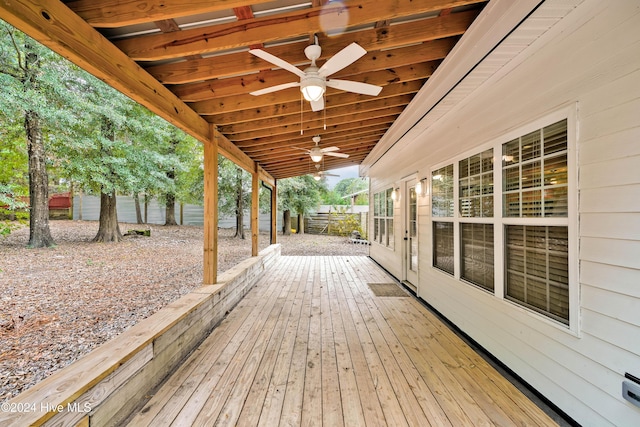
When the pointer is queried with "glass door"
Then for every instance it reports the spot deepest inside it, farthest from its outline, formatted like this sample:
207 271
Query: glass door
411 234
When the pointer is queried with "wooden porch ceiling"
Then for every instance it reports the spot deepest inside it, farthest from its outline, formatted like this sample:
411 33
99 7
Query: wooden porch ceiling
198 50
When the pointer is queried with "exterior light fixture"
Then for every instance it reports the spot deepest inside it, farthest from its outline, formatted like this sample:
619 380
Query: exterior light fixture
394 194
421 186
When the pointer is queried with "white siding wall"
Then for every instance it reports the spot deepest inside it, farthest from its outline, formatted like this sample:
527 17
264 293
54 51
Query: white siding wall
591 60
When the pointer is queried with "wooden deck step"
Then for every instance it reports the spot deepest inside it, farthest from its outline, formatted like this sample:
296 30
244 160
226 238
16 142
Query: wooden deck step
312 345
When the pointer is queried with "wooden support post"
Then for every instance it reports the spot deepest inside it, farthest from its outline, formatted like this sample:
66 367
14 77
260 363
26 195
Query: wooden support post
210 275
255 201
274 213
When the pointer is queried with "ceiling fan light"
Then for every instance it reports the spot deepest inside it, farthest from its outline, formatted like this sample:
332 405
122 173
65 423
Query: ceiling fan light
317 176
316 157
312 88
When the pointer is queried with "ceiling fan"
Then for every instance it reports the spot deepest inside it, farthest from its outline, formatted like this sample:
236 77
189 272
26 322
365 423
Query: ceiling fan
313 80
317 153
321 174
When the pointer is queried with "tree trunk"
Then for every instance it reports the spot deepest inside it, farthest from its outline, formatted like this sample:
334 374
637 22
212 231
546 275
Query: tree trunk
170 210
109 230
300 224
146 208
136 202
239 206
170 207
286 223
39 232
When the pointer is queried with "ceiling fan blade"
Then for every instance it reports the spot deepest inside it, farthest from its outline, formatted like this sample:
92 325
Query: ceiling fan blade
317 105
342 59
274 88
303 149
355 87
342 155
277 61
328 149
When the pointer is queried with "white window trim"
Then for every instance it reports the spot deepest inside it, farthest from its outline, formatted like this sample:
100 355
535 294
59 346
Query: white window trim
570 113
373 218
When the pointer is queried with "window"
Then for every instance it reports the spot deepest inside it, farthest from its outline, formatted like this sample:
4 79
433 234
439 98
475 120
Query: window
537 269
535 182
476 257
442 206
475 183
390 240
475 200
534 173
443 246
383 218
442 192
532 182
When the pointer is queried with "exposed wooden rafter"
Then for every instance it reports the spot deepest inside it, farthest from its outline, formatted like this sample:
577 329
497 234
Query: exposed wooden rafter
188 61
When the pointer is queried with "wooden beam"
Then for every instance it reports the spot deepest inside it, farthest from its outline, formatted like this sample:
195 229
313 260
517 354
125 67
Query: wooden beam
444 30
119 13
347 146
267 145
274 213
55 26
397 65
250 139
210 266
290 113
255 200
236 155
265 176
320 125
333 115
247 32
292 97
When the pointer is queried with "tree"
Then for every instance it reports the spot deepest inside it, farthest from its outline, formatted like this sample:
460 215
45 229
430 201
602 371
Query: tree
350 186
112 148
170 195
28 79
234 192
299 194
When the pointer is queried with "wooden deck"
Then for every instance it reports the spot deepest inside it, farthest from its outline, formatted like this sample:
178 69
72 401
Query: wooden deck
312 345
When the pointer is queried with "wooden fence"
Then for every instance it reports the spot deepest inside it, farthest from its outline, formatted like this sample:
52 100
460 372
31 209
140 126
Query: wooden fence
336 223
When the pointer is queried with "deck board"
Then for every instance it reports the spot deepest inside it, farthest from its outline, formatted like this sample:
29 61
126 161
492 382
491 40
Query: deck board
311 345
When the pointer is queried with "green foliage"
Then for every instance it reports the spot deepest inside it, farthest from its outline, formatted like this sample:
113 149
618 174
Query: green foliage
330 197
96 137
13 156
346 187
12 210
344 224
349 186
233 182
300 194
190 177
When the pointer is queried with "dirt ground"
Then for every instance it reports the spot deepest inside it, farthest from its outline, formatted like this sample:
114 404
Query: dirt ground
57 304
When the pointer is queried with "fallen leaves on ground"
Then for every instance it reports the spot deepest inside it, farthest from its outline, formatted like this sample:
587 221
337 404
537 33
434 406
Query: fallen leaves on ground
57 304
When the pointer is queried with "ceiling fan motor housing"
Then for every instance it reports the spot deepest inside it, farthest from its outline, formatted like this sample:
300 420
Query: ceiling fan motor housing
313 52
